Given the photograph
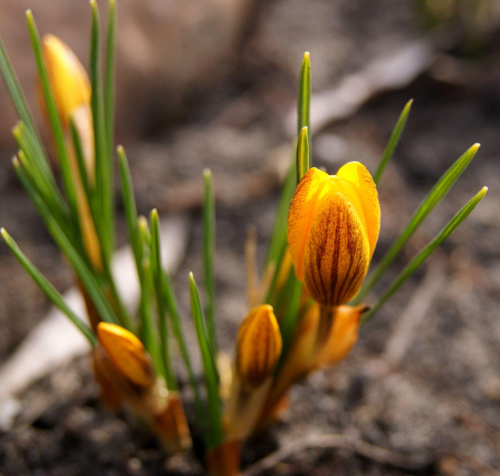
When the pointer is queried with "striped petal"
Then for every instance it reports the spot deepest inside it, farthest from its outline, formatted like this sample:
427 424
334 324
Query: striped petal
337 252
366 191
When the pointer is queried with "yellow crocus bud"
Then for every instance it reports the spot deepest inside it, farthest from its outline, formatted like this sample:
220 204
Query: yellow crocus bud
258 346
67 76
126 353
333 227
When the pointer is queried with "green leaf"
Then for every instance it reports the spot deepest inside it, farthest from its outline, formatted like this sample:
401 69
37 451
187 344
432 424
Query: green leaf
103 160
41 178
208 256
292 292
303 156
129 205
53 114
47 288
215 435
148 331
110 75
15 91
170 377
304 97
433 198
173 310
71 248
450 227
393 141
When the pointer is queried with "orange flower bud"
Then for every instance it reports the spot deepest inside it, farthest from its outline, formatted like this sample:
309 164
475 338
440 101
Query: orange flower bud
126 353
333 227
258 346
68 77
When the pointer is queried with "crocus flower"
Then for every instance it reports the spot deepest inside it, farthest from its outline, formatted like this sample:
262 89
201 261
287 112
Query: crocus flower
127 354
333 227
258 346
68 77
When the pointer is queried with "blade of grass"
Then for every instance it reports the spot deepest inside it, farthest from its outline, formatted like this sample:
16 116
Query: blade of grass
16 92
215 435
304 96
208 256
55 120
109 109
80 160
148 331
292 290
169 374
129 205
44 182
438 192
173 310
393 141
47 288
72 249
104 168
303 156
278 236
450 227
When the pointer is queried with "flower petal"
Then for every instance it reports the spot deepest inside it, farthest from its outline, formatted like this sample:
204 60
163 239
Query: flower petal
337 251
258 346
358 174
301 214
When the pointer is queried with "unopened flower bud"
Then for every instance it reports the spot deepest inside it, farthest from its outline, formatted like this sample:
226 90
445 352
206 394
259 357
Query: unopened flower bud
126 353
333 227
258 346
67 76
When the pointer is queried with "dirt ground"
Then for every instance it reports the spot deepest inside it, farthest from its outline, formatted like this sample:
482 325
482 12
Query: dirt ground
424 379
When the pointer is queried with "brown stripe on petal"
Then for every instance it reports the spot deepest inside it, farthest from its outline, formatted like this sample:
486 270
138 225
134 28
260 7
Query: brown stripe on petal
337 252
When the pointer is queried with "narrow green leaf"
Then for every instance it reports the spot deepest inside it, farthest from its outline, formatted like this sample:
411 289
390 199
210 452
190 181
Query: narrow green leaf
438 192
110 75
71 248
215 435
303 156
393 141
104 165
278 236
170 377
450 227
148 331
208 256
129 205
16 92
53 114
80 160
292 290
304 97
173 310
41 179
47 288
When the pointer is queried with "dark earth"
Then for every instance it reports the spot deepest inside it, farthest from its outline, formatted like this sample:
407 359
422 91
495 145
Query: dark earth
432 392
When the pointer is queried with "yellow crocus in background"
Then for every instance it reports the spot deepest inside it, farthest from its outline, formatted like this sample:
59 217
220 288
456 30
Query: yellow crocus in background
68 78
72 93
333 227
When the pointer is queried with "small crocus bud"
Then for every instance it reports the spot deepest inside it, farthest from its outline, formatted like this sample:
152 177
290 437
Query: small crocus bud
67 76
258 346
333 227
126 353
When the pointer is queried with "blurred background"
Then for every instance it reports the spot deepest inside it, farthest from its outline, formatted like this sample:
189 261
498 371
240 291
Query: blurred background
213 83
